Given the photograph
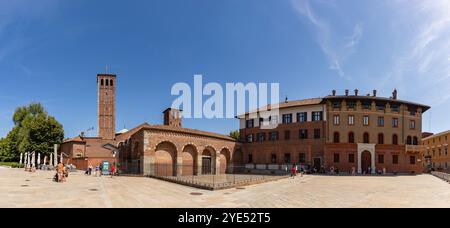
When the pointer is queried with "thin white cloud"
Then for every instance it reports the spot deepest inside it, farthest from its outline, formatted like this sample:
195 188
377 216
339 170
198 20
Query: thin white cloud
422 67
354 39
336 48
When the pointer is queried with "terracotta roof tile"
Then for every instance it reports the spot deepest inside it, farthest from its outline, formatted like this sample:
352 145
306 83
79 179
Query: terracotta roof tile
189 131
131 132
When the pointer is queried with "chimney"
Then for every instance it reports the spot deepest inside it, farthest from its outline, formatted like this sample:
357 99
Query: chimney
356 92
333 92
346 92
394 94
374 93
286 100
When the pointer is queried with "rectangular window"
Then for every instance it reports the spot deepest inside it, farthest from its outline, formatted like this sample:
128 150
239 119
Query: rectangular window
412 160
303 134
395 159
336 104
287 118
273 120
273 159
381 159
302 158
302 117
351 158
412 124
274 136
249 123
351 120
287 135
351 104
395 122
336 158
366 120
446 150
317 133
287 158
250 158
317 116
395 108
440 152
336 120
249 138
366 104
261 137
380 121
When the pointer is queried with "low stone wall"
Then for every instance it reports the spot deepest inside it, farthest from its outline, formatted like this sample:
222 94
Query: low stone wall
443 176
219 182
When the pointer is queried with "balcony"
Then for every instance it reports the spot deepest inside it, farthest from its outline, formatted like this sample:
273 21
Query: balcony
414 149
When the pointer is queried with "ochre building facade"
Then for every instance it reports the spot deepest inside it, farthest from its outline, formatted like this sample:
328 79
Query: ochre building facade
339 132
435 151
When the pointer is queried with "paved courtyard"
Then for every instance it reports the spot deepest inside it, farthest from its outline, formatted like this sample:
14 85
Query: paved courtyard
21 189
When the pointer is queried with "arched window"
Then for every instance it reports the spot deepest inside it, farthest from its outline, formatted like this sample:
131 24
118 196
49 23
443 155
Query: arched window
395 139
101 82
351 137
336 137
380 138
111 82
107 82
415 141
409 140
366 138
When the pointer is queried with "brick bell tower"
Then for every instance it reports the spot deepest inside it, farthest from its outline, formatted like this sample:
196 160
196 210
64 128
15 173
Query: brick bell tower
106 106
173 117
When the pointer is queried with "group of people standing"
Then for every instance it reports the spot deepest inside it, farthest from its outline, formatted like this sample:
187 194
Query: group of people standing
62 173
99 170
353 171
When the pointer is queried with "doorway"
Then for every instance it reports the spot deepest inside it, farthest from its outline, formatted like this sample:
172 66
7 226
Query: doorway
317 164
366 162
206 165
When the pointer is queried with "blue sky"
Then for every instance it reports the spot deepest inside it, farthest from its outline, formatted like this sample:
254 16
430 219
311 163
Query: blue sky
51 51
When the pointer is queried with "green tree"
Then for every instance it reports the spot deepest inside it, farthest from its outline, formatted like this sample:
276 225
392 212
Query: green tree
3 150
235 135
34 130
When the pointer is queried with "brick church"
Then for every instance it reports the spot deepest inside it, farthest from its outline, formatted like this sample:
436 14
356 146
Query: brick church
167 149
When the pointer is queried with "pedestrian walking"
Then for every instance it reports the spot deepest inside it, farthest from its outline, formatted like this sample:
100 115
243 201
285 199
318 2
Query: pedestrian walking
97 171
65 173
59 169
293 171
113 169
100 169
90 169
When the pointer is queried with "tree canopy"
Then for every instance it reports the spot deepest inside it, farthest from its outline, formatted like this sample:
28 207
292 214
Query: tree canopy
34 130
234 135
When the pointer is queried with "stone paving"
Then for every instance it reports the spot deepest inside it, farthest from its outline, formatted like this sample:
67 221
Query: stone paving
22 189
